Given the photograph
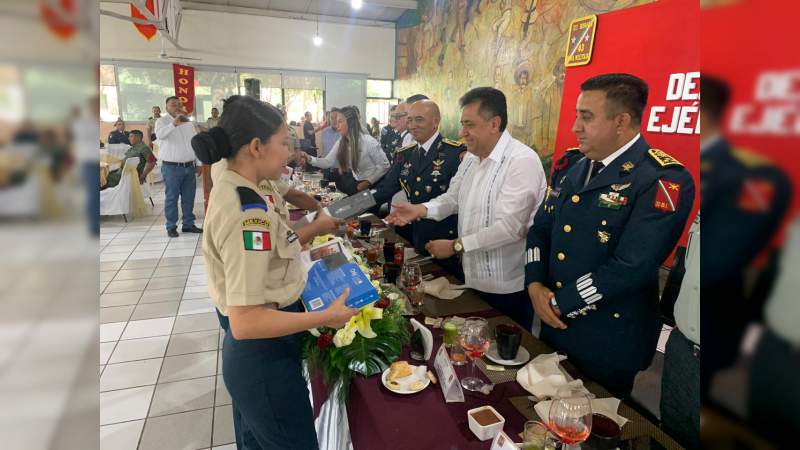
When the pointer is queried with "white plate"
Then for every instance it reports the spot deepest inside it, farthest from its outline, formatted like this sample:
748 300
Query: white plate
406 382
522 356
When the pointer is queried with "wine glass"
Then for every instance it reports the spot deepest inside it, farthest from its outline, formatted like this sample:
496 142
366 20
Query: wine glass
475 341
411 278
570 417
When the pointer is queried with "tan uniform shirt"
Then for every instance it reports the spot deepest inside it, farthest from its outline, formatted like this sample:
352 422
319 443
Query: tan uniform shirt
251 255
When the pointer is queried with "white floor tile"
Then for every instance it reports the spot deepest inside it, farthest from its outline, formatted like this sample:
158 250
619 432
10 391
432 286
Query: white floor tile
110 332
145 255
144 348
223 426
181 396
130 374
184 367
108 257
148 328
200 341
125 404
184 431
188 307
121 436
120 299
195 292
106 348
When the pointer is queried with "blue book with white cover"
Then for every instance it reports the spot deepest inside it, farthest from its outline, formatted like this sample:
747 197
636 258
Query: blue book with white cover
329 275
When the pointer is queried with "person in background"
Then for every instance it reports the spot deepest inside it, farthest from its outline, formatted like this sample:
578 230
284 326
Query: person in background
175 132
213 120
310 133
495 192
390 138
151 125
744 197
329 133
119 135
375 128
355 151
84 131
147 161
680 381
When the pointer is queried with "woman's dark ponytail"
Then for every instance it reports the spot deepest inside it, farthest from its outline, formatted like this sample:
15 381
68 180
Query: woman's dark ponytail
212 145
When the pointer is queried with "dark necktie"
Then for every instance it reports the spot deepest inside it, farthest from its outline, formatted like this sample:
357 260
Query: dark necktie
596 167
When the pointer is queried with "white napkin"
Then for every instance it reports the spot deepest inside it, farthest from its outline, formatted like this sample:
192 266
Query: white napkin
441 288
605 406
543 376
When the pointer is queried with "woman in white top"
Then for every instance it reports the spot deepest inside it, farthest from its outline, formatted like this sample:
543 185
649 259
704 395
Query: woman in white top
355 150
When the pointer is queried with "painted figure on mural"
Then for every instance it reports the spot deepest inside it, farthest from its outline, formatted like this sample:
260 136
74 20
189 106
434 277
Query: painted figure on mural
521 105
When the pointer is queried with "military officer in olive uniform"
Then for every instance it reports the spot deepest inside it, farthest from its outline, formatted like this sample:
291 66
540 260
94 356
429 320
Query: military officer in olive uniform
614 211
256 277
423 172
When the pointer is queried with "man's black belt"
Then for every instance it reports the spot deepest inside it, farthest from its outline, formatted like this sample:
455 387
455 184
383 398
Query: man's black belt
183 164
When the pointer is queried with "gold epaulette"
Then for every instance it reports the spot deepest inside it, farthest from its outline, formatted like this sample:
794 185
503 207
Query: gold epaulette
662 158
750 158
452 142
402 149
573 149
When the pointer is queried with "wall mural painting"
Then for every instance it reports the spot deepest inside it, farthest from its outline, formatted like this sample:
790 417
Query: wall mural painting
516 46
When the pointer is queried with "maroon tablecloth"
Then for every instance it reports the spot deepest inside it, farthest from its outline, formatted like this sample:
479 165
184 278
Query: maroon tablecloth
381 419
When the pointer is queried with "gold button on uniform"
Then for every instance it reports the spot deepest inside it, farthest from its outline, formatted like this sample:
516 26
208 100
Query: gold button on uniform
576 198
616 315
567 228
419 178
416 193
558 284
604 223
561 256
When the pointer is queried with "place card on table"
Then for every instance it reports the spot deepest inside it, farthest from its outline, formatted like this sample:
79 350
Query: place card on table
449 382
427 337
503 442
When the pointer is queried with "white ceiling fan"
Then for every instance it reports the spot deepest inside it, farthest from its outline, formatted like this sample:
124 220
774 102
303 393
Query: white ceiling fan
164 55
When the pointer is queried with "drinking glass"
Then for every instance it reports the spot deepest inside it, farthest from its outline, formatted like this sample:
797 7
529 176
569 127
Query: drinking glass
475 341
412 285
570 418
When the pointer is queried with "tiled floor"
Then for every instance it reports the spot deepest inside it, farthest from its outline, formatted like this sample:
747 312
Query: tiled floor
160 342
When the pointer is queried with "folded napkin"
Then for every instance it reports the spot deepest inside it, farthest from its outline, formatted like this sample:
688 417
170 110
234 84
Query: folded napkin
543 376
441 288
605 406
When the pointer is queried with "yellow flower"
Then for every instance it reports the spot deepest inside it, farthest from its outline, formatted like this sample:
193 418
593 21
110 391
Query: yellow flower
359 323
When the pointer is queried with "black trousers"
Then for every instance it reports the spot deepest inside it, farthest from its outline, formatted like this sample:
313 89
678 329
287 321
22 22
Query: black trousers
775 390
516 305
680 391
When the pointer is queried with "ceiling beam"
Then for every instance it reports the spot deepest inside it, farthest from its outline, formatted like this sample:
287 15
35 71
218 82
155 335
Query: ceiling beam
196 6
400 4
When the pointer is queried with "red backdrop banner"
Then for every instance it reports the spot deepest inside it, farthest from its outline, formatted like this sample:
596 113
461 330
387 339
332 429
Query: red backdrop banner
658 43
763 72
184 85
148 31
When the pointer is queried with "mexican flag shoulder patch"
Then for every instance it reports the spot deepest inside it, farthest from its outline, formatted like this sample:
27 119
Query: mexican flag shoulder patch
256 240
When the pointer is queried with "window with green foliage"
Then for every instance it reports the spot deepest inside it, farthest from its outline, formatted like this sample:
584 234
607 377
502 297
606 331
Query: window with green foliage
379 88
211 88
141 88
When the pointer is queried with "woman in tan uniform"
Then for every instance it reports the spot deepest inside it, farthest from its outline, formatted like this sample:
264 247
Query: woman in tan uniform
256 277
